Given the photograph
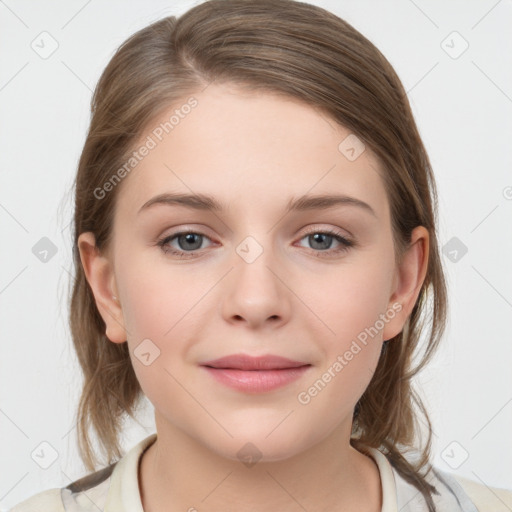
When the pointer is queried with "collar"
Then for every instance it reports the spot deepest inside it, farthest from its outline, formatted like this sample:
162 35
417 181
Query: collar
124 492
387 479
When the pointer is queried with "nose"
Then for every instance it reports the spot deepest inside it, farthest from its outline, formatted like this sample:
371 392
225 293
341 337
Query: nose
255 291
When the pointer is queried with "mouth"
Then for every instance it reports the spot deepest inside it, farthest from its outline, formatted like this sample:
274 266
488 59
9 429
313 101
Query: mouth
255 374
250 363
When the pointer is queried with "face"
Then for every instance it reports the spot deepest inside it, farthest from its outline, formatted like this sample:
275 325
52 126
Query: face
315 284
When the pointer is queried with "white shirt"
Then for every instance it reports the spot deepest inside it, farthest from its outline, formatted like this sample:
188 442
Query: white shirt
116 489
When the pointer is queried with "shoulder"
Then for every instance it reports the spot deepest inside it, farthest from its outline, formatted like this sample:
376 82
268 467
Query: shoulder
470 495
46 501
453 493
84 495
486 499
116 483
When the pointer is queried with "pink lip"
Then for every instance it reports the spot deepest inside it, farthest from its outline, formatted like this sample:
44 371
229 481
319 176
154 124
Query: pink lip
255 374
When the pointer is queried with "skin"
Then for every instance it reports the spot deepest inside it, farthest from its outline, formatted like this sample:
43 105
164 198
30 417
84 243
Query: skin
253 152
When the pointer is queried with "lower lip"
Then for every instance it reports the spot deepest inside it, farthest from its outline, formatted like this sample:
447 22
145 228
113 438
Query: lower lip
256 381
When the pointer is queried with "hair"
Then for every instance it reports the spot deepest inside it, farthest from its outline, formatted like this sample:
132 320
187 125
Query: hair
302 52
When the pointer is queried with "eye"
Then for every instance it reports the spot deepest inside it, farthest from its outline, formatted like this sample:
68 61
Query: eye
190 240
321 242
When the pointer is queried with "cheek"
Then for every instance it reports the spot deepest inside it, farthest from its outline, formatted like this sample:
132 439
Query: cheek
351 310
347 300
164 305
158 297
353 316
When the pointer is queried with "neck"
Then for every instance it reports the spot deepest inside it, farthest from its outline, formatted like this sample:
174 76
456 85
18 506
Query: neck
177 473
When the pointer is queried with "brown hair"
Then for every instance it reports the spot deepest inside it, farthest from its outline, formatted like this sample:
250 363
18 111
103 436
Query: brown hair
300 51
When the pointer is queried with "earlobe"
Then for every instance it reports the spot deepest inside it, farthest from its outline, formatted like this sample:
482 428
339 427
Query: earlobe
408 280
99 273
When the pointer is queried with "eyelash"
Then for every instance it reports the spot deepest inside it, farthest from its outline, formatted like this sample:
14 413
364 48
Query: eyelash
345 243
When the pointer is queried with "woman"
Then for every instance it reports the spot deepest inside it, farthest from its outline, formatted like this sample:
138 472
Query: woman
277 350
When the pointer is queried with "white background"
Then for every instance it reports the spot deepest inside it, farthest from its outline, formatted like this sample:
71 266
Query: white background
463 108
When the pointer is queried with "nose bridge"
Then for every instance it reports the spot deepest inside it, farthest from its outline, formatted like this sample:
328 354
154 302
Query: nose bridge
251 249
255 225
255 292
255 258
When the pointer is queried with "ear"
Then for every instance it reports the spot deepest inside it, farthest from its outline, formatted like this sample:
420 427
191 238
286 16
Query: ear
407 281
100 275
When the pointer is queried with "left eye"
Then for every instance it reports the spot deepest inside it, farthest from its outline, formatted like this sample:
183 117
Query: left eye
321 239
190 242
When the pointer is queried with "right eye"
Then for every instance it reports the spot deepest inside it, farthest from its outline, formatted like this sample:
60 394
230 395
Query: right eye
184 239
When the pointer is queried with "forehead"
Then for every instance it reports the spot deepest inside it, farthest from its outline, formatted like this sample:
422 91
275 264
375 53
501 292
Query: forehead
250 149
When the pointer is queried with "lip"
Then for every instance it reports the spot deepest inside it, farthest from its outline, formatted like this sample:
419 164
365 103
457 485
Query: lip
246 362
255 374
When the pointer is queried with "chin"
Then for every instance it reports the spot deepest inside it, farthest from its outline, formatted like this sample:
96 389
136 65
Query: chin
257 446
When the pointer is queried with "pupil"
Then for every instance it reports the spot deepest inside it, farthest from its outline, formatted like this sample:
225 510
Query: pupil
189 239
317 237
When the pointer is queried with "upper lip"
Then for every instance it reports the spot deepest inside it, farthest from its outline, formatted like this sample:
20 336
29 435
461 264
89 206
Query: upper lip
246 362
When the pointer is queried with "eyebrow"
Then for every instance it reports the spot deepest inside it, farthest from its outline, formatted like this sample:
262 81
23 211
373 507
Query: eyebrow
300 204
